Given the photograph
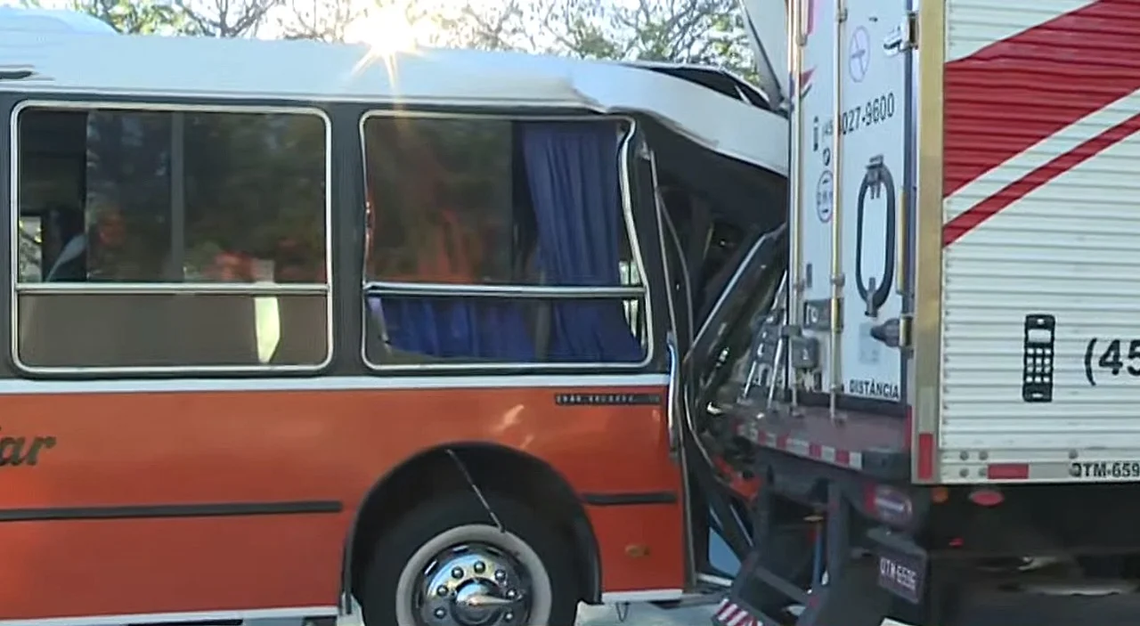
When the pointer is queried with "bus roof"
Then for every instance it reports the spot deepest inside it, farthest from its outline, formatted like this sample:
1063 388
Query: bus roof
86 61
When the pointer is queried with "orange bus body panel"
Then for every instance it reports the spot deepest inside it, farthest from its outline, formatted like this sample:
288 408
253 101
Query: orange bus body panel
193 447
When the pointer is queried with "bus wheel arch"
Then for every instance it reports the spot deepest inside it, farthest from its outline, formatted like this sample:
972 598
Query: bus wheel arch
492 469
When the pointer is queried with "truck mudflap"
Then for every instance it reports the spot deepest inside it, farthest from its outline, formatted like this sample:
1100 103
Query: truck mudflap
901 564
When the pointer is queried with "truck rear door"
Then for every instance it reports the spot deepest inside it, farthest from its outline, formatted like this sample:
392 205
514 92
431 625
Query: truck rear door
852 167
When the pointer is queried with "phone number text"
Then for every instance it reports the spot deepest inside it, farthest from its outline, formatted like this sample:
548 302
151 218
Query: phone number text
875 111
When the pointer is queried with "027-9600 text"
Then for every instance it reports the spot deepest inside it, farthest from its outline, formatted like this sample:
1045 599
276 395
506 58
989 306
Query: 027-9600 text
1105 469
874 111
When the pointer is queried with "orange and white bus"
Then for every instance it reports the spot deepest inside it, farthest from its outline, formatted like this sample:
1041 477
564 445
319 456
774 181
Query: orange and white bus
289 326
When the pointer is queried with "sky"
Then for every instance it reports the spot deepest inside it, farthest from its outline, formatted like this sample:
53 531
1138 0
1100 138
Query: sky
376 23
367 30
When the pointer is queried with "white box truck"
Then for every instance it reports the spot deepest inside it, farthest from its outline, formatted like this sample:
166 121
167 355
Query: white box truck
951 379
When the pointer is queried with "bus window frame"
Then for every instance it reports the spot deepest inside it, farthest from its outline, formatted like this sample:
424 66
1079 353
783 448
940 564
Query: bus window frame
642 293
161 105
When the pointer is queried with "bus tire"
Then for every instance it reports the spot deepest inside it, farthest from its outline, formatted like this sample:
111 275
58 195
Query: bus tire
429 567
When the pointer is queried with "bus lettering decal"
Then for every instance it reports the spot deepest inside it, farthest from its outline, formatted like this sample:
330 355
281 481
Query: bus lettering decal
607 399
13 450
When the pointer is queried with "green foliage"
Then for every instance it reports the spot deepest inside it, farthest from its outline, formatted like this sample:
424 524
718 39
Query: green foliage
440 185
144 17
251 183
703 32
254 181
219 18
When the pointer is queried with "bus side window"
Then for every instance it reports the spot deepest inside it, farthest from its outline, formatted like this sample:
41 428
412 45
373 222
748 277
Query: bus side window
193 239
498 241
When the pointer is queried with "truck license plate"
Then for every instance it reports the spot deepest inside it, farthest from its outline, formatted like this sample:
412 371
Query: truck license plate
901 573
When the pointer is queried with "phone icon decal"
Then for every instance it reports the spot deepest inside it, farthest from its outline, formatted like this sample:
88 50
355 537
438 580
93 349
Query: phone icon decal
1037 358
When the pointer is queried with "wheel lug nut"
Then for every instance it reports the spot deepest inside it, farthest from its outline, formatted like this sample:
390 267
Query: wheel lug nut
512 594
508 616
441 591
457 573
479 567
500 575
440 613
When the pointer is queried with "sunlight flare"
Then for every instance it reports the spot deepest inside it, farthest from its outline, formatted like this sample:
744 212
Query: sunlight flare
386 30
388 33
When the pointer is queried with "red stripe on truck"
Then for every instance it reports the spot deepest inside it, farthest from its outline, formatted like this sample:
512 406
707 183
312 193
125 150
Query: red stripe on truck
975 215
1016 92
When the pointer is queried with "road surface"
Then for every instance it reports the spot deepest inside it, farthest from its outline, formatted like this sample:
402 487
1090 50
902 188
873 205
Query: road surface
645 615
639 615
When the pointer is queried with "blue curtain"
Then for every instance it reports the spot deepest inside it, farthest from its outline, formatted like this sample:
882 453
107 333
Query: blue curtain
455 327
572 168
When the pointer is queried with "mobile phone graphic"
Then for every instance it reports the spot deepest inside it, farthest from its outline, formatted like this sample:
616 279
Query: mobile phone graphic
1037 358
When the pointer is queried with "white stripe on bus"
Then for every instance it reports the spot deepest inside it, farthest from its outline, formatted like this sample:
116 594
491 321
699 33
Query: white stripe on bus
332 383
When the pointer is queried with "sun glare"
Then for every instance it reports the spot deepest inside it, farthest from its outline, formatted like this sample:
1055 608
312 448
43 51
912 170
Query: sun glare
386 31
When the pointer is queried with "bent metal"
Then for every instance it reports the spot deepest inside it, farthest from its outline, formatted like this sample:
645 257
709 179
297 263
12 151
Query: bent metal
13 450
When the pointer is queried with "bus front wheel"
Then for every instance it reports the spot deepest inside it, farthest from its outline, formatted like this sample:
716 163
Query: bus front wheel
446 563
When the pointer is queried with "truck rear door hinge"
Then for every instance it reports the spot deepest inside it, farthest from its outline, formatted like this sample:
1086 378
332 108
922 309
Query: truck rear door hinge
903 37
906 332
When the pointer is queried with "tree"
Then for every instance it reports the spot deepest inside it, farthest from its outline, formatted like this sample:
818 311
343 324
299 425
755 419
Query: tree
705 32
214 18
322 20
227 18
145 17
506 26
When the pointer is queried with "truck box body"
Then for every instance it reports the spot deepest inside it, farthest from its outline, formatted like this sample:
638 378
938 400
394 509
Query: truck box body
970 171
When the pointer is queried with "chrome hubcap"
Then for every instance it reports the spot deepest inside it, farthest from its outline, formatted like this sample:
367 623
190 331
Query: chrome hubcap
473 584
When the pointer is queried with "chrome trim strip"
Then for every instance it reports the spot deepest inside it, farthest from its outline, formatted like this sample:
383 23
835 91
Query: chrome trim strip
671 393
647 595
631 230
13 242
502 291
155 289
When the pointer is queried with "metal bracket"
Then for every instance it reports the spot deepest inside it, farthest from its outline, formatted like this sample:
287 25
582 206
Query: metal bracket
875 176
804 352
889 333
903 37
475 488
767 344
894 333
817 314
